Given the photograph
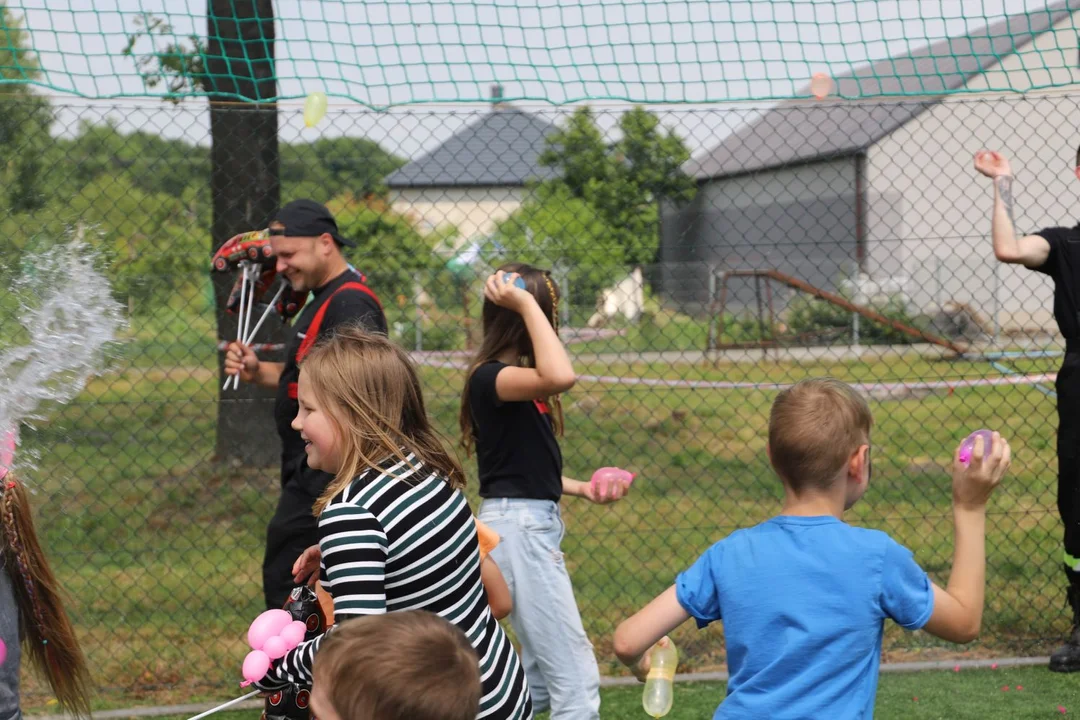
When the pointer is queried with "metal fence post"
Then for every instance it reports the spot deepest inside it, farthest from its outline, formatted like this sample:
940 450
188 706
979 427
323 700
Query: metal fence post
858 300
418 330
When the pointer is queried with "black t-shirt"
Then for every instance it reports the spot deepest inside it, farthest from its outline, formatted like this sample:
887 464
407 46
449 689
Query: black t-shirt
516 449
1063 265
350 305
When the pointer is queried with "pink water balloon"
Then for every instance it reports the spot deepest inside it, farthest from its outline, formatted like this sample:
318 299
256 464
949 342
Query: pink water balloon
967 447
267 625
256 665
820 85
293 634
3 652
605 477
8 442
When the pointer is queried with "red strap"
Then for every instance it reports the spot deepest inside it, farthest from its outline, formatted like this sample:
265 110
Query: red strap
313 328
293 390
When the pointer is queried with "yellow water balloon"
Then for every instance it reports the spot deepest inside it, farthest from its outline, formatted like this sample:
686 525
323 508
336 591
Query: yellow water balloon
314 108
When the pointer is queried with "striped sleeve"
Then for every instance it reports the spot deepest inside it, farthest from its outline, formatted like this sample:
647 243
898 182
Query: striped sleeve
354 549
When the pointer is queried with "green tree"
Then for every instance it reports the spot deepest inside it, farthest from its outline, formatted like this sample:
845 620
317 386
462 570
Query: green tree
555 228
626 180
330 167
601 213
24 120
388 246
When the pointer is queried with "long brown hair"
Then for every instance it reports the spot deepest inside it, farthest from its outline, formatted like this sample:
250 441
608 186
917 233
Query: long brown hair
371 394
47 634
504 330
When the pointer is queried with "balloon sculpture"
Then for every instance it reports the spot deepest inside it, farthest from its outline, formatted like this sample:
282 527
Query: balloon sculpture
270 636
605 477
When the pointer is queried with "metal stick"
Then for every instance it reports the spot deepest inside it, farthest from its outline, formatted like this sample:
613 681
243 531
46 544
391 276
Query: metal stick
253 693
253 271
240 318
266 312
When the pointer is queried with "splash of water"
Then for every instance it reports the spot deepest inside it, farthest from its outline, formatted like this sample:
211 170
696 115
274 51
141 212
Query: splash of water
69 317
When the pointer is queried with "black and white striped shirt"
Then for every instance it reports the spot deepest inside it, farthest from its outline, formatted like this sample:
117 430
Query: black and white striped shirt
402 539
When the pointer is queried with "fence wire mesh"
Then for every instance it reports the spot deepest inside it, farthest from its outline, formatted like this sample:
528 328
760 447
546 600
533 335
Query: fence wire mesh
695 288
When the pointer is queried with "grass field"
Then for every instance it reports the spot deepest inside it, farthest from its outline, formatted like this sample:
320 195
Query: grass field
160 548
1003 694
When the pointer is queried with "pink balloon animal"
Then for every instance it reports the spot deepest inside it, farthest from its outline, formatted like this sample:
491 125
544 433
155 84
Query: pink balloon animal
270 636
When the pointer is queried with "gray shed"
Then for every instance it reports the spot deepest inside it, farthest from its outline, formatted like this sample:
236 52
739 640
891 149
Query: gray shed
788 189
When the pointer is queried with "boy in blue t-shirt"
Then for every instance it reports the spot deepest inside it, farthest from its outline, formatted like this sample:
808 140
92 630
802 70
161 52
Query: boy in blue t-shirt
803 596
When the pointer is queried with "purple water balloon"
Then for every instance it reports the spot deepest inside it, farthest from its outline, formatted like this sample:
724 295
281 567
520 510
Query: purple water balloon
967 448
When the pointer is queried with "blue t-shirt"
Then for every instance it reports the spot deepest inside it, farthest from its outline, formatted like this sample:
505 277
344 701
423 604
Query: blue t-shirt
803 600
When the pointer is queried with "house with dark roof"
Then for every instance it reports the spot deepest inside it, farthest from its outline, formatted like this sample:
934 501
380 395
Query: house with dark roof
883 192
478 176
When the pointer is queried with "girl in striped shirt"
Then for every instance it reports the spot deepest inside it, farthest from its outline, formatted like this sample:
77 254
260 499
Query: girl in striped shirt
395 530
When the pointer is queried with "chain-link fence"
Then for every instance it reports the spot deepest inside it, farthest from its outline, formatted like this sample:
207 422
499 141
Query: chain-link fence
801 240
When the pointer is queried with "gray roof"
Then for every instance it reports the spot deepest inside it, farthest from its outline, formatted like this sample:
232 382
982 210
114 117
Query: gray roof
501 149
795 131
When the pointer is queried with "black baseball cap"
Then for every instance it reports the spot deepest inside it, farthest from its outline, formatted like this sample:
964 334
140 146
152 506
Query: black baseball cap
307 218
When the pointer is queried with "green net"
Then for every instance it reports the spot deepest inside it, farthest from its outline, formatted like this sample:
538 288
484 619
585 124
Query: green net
383 53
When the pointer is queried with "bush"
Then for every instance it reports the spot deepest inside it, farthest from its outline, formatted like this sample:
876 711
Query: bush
816 319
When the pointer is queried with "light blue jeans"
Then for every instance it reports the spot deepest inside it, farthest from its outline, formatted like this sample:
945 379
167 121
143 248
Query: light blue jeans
555 651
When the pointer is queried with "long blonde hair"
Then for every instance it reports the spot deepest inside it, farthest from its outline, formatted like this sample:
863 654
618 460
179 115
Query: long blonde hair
369 389
47 634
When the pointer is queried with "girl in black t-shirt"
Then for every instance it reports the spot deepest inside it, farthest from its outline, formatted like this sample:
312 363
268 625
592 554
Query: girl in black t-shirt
510 415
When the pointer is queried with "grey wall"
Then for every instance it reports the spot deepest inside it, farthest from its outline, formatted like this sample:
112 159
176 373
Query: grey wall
799 220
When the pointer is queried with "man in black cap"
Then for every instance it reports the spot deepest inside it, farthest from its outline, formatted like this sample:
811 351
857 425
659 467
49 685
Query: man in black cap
307 244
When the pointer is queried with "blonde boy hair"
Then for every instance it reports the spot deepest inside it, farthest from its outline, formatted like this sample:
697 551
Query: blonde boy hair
410 665
814 427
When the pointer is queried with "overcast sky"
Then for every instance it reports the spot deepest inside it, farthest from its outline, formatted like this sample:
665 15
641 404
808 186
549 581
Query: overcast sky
390 52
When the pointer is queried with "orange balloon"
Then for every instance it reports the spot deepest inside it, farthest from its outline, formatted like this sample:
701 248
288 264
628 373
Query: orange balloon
820 85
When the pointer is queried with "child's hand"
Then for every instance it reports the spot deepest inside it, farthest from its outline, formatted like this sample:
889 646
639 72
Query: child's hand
973 484
501 290
607 491
641 670
306 566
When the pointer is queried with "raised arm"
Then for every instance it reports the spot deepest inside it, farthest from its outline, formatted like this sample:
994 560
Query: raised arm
1028 250
553 373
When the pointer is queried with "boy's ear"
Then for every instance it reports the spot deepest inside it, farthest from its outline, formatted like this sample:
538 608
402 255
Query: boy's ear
855 461
858 459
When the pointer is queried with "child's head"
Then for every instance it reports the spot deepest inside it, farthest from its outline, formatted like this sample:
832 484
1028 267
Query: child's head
505 332
819 435
360 403
409 665
504 329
